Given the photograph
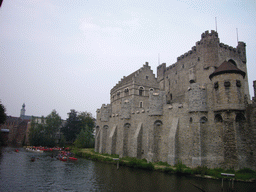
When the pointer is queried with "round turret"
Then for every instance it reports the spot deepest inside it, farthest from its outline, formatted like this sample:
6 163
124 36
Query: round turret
228 88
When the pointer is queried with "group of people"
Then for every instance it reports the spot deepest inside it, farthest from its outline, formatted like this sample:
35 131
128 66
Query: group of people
64 155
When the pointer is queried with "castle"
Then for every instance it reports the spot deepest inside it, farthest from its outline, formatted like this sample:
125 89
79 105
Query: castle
197 110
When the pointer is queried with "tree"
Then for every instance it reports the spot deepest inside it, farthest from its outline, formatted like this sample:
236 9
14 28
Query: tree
43 133
2 114
53 123
62 141
36 133
72 127
84 139
77 122
86 121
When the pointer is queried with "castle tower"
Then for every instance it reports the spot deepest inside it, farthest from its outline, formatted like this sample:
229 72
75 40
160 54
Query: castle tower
22 111
228 87
228 93
209 48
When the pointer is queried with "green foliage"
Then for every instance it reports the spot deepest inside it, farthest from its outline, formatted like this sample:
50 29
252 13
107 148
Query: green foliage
202 170
179 167
75 123
215 172
62 141
2 114
53 123
230 170
162 163
43 133
140 164
245 170
72 128
112 155
245 174
84 139
188 171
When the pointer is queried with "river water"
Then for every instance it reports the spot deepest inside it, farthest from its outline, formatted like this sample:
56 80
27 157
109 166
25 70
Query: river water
18 173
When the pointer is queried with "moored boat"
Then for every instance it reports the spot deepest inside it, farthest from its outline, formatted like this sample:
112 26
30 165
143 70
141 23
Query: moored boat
34 150
63 158
73 158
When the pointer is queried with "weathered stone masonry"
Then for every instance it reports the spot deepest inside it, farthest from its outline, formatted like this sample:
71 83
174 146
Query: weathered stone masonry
198 110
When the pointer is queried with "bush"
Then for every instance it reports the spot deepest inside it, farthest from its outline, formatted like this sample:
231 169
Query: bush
188 171
202 170
179 167
162 163
246 170
141 164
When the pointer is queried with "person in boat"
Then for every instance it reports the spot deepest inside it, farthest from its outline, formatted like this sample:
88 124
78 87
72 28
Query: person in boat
33 158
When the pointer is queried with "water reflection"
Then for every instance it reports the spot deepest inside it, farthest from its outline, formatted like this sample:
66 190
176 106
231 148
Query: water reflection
18 173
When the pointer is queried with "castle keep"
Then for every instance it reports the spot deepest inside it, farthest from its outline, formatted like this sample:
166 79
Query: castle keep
197 110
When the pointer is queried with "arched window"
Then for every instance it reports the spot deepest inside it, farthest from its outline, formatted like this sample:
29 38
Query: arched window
126 92
232 61
141 104
240 117
238 83
118 94
216 85
158 123
141 90
203 119
218 118
127 125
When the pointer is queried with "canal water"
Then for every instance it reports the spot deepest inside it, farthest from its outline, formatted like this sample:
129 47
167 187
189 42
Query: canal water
18 173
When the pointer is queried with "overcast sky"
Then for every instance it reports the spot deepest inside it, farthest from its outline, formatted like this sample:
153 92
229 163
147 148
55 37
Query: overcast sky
68 54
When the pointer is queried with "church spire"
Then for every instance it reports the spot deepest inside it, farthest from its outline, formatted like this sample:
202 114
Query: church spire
22 111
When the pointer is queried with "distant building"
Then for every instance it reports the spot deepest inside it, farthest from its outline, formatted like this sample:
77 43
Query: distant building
197 110
22 113
13 132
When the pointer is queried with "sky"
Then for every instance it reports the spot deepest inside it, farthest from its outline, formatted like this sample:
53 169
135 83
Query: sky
69 54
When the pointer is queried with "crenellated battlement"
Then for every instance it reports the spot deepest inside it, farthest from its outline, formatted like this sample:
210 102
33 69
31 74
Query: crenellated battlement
204 37
222 45
212 34
193 49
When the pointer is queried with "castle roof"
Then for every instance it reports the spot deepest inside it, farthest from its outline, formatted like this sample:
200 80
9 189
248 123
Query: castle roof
227 67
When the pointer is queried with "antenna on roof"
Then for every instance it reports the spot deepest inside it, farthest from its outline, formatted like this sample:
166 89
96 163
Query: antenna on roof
158 58
237 34
216 23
